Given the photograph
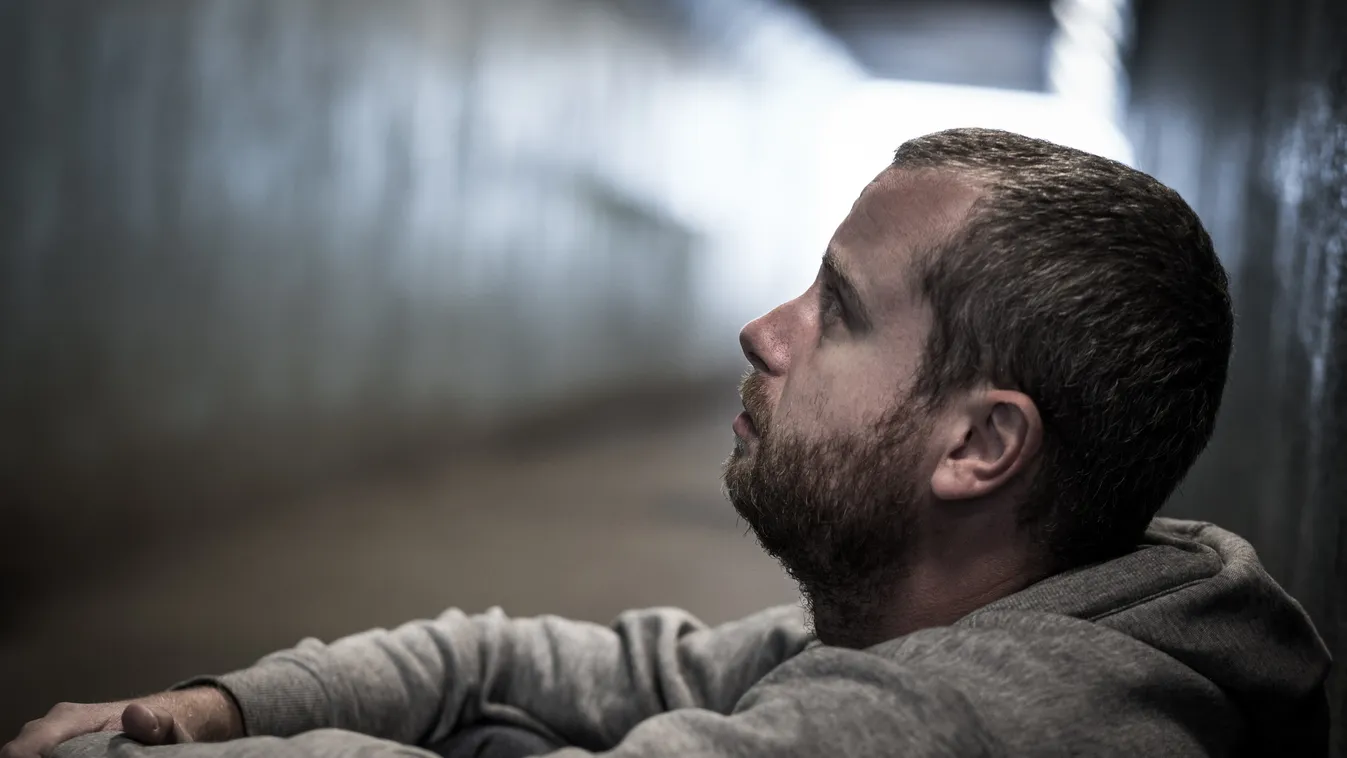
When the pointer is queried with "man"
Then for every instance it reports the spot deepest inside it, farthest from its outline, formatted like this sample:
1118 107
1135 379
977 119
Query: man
956 441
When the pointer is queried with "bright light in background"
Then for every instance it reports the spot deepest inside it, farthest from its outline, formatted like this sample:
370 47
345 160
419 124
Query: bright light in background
1085 54
867 123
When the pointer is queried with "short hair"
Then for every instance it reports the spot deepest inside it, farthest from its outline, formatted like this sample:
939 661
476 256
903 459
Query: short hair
1095 290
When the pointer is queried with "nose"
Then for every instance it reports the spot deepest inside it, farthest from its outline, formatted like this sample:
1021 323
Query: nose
763 345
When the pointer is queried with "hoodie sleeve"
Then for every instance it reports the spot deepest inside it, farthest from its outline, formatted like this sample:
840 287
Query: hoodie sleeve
823 702
577 683
827 701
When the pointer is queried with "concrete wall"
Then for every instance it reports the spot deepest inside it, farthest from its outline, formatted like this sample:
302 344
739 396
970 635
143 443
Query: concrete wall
246 241
249 248
1244 111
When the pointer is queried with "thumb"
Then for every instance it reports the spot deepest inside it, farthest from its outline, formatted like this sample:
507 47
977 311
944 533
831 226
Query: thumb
151 725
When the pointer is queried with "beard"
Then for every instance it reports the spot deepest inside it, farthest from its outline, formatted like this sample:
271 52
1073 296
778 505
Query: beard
838 514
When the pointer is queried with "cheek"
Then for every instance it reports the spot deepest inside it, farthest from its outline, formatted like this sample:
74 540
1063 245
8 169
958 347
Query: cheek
837 394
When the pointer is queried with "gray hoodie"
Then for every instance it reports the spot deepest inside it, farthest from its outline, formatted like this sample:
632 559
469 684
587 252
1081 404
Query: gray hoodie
1185 647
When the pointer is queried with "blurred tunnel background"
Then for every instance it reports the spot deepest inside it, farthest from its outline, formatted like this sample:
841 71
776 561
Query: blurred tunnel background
329 314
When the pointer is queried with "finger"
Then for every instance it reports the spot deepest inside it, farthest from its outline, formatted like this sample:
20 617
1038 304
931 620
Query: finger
40 741
19 747
35 742
148 725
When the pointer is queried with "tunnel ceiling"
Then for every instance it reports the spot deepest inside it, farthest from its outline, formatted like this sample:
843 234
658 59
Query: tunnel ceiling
988 43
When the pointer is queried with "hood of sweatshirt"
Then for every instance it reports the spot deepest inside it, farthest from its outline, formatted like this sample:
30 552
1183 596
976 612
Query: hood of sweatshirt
1198 594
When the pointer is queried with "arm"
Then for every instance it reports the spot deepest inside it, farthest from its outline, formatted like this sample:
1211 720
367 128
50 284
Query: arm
580 683
823 702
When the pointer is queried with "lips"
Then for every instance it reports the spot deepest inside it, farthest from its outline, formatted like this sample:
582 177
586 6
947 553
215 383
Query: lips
751 424
744 428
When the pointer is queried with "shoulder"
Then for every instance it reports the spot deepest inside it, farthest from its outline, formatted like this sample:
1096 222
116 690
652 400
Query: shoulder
1022 682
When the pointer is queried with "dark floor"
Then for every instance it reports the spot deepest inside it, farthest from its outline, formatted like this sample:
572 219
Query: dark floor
584 528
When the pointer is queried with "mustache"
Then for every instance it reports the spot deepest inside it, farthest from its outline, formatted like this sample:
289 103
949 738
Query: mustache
753 394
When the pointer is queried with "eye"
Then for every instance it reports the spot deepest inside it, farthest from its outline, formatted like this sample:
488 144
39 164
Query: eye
830 305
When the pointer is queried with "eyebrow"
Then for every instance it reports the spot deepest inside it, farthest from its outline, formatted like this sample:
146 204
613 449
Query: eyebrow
846 290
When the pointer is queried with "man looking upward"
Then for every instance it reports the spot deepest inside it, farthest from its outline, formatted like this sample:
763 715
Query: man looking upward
956 440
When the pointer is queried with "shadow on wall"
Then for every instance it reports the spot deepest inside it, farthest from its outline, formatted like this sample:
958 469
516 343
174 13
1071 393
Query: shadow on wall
1249 122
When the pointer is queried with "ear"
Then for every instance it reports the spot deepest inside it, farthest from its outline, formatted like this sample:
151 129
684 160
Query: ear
992 436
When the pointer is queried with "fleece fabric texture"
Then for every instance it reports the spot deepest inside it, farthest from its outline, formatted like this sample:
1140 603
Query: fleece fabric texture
1183 647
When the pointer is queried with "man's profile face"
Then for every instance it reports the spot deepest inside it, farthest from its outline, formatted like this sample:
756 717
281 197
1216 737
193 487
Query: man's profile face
831 456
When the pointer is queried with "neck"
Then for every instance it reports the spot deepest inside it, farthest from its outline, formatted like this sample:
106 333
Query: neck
938 587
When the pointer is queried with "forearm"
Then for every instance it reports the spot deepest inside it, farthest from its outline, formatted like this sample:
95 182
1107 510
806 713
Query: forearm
827 701
398 684
326 743
582 683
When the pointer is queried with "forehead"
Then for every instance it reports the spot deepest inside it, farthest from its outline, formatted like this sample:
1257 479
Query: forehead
898 215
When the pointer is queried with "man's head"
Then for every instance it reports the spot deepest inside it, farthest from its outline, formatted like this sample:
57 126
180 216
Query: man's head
1003 331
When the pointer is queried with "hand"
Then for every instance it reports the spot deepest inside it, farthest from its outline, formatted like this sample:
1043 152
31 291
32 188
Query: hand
200 714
